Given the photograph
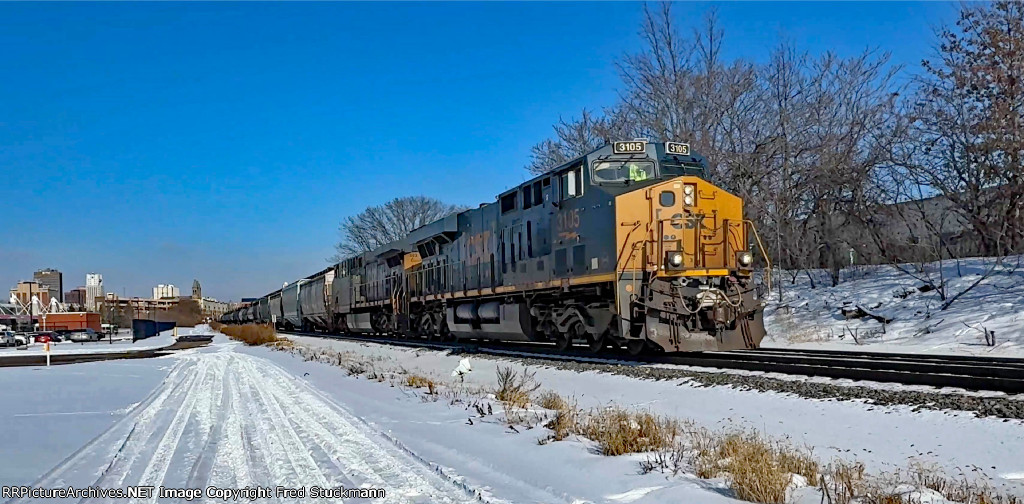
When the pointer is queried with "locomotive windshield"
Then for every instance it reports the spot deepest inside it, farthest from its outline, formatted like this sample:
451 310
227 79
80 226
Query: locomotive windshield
623 171
675 168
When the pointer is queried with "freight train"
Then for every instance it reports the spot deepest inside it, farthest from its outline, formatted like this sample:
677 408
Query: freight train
630 245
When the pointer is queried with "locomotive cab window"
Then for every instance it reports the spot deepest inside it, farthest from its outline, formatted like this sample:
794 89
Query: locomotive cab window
623 171
571 183
680 168
508 202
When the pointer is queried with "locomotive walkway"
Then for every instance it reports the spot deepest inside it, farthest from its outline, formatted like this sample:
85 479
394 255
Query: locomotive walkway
995 374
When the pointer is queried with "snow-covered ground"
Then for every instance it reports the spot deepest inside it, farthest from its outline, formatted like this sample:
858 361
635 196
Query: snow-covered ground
809 317
884 438
231 416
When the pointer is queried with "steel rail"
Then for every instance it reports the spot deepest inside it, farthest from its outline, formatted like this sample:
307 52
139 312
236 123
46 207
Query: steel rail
975 373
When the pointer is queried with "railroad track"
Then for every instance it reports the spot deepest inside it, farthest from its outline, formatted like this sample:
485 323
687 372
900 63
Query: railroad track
997 374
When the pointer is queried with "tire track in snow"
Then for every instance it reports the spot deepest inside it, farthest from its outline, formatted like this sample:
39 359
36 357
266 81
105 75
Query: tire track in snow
235 420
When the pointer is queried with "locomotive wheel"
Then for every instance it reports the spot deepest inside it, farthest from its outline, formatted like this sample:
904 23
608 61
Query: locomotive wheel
597 343
636 347
444 333
563 341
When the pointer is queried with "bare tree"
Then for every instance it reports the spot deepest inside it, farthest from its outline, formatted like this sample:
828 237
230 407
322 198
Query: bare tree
379 225
969 123
573 138
186 313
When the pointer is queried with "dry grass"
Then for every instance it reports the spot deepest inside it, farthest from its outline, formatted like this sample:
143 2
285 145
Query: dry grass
841 482
618 431
251 334
216 326
550 399
566 420
417 381
756 468
514 389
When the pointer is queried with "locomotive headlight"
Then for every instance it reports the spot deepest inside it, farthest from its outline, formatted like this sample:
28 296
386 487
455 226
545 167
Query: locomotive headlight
688 200
688 189
745 259
675 259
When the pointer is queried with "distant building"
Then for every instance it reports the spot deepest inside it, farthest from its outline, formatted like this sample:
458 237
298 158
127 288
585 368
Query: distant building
139 307
76 296
213 308
168 291
93 291
25 291
53 281
197 290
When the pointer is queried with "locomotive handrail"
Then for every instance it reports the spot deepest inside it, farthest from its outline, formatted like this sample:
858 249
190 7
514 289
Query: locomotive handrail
767 260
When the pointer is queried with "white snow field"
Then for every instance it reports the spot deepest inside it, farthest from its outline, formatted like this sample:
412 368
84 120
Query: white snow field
812 317
231 420
885 439
231 416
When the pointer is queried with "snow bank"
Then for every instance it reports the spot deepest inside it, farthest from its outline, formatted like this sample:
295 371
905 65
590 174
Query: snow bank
811 311
162 340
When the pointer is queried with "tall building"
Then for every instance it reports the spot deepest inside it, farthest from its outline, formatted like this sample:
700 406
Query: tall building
76 296
93 290
51 280
197 290
165 291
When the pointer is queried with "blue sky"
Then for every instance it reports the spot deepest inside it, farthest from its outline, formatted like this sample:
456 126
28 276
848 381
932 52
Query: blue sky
161 142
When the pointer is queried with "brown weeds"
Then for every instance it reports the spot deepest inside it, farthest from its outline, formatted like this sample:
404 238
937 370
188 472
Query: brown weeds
514 389
251 334
618 431
417 381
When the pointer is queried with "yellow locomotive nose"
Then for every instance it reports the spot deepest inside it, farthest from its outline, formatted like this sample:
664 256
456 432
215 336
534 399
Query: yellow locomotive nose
685 226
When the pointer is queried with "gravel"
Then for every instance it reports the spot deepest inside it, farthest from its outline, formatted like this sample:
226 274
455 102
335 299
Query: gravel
1006 407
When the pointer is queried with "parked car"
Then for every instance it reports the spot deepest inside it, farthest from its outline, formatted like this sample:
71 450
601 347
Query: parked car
82 335
21 339
42 337
7 338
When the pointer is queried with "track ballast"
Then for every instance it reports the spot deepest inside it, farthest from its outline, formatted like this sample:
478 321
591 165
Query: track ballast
995 374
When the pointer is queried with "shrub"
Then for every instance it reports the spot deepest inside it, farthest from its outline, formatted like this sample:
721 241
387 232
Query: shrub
514 389
552 401
566 420
756 468
251 334
417 381
216 326
618 431
841 481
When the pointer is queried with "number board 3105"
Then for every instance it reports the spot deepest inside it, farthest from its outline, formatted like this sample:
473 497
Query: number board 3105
635 147
682 149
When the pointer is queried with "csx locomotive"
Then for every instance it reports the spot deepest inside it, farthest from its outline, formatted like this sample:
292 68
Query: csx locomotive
629 245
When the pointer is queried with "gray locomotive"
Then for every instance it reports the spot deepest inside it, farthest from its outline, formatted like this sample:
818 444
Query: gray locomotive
629 245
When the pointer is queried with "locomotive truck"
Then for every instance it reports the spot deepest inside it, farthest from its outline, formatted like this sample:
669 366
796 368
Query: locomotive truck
630 245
